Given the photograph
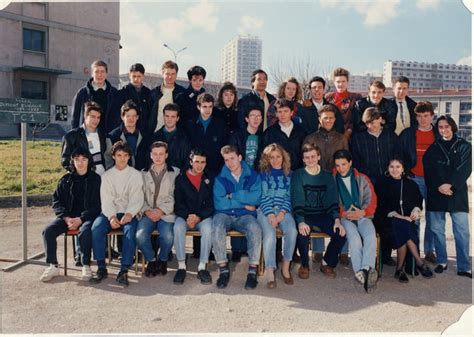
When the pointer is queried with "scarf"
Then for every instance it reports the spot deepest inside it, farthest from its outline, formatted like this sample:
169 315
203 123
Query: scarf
348 199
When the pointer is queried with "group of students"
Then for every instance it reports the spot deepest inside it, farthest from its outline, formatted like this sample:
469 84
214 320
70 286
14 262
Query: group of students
255 165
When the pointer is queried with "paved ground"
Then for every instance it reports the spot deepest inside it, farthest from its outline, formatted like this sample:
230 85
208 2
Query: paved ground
68 305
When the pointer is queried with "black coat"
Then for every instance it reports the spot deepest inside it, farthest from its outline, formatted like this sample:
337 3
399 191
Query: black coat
187 200
64 201
229 116
387 107
142 100
109 119
141 158
188 106
252 99
178 147
239 140
155 96
291 144
75 139
309 116
448 167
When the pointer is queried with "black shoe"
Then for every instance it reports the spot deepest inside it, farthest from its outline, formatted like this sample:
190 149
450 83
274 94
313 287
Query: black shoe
425 271
236 256
371 277
77 261
402 276
212 256
465 273
251 282
389 262
179 276
99 276
122 278
204 276
440 268
151 269
161 267
223 280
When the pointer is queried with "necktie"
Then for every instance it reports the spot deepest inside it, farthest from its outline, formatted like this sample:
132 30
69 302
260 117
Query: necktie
401 113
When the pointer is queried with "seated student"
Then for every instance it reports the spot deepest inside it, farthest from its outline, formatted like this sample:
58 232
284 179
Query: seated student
129 133
237 191
275 211
136 91
122 198
76 203
315 207
178 143
157 211
187 100
87 137
194 206
226 106
399 206
357 203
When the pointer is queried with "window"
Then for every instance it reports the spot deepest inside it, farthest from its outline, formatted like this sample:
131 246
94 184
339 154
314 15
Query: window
33 89
448 107
34 40
465 106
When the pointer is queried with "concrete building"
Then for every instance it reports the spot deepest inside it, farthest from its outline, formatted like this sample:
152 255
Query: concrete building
428 75
360 83
240 57
47 48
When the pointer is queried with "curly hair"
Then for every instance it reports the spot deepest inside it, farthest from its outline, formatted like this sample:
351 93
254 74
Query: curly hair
299 92
265 165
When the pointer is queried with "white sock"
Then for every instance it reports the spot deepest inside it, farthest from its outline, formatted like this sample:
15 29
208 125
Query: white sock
182 265
323 262
202 266
53 265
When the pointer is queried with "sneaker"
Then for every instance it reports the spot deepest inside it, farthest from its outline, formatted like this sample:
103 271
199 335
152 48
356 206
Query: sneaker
465 273
179 276
402 276
370 280
360 276
49 273
99 276
430 257
204 276
251 282
317 257
86 273
223 280
440 268
122 278
328 271
151 269
344 259
161 267
425 271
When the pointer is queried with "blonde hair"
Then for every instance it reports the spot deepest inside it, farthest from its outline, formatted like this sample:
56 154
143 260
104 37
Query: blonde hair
299 92
265 165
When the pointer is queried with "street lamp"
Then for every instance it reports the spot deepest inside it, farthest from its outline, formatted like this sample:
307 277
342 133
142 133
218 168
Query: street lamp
175 53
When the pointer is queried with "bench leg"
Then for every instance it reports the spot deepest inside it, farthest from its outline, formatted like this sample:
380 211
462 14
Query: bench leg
65 255
378 258
109 249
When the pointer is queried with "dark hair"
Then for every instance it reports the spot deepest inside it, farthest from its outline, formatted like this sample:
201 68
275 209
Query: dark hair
401 79
371 114
255 73
317 79
227 86
196 71
307 147
204 98
99 63
424 106
81 152
450 121
121 146
342 154
92 106
378 84
137 67
226 149
127 106
197 152
340 72
169 65
171 107
158 144
400 160
284 103
254 107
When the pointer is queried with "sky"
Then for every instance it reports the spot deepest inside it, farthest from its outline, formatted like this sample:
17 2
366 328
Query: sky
359 35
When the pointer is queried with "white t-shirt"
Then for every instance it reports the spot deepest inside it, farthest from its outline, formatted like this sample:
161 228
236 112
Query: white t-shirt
94 148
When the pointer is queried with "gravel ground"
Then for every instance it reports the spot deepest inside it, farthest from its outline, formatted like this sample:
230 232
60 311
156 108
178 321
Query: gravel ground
155 305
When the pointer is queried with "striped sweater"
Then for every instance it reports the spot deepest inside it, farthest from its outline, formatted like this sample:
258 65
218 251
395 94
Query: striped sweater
275 191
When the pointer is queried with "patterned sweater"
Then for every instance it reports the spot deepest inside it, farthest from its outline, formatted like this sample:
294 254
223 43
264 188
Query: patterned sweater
275 191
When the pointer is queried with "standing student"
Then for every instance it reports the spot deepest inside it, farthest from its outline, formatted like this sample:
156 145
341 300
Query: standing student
291 91
226 106
187 100
406 117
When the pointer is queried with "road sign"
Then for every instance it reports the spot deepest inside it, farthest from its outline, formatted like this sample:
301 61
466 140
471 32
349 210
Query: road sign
23 110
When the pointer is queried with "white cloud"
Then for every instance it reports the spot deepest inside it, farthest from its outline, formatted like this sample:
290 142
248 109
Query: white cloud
249 24
202 15
376 12
427 4
466 60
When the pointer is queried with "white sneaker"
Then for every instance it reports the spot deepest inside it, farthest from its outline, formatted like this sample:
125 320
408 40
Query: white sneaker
360 276
49 273
86 273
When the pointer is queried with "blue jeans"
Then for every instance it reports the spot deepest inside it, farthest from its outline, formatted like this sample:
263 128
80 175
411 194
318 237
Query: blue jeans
460 222
428 240
145 227
288 227
246 224
362 243
100 229
180 229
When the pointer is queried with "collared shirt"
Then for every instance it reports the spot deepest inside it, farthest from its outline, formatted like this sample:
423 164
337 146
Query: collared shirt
318 105
95 87
287 129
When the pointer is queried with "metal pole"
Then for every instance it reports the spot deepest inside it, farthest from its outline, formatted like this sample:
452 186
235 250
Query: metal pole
23 192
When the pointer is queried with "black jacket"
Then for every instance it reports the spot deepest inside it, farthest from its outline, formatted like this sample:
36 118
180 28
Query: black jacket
387 107
141 158
187 200
211 141
239 140
252 99
309 116
155 96
75 139
188 106
229 116
142 100
291 144
451 166
408 146
109 119
64 201
178 147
